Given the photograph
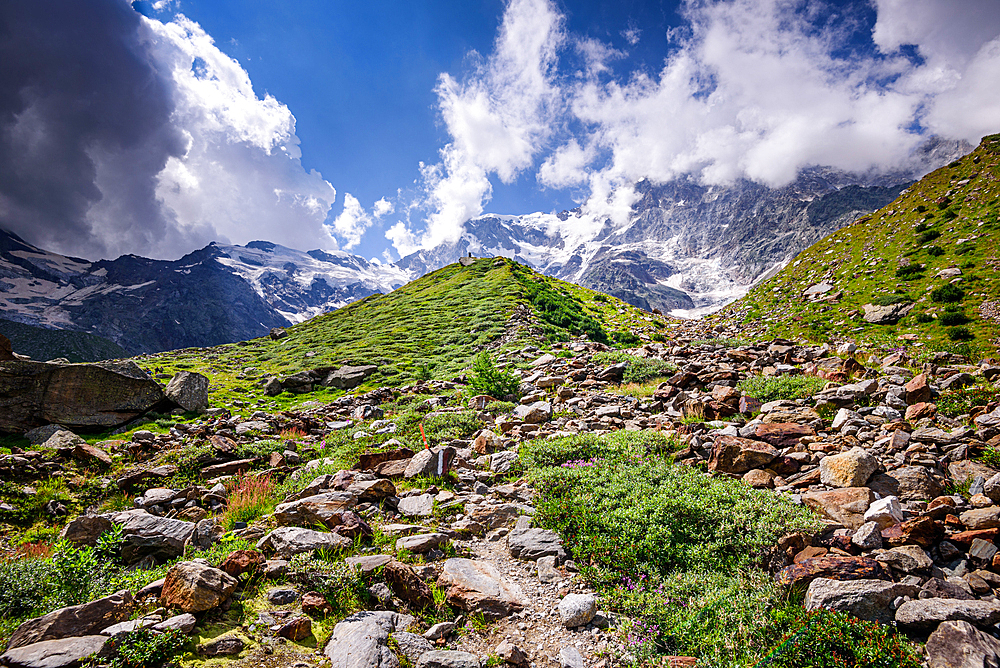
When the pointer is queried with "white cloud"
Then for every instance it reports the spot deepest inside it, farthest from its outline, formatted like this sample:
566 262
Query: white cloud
753 89
383 208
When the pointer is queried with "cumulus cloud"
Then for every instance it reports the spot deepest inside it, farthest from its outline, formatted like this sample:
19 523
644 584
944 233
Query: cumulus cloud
355 220
124 134
755 89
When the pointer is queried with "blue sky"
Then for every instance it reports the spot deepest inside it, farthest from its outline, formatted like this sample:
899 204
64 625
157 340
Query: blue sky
380 128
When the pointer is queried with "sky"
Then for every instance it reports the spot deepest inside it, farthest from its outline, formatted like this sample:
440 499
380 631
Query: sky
158 126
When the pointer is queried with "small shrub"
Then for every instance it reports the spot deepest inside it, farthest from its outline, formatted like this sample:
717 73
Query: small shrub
773 388
920 226
960 334
928 236
952 318
949 214
935 251
146 648
961 402
948 293
924 318
827 639
990 457
600 298
487 379
451 426
891 300
909 270
624 338
500 407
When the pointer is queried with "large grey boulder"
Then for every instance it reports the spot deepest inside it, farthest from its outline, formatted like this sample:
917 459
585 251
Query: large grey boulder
85 530
909 483
62 653
286 542
577 609
421 505
75 620
865 599
188 390
349 377
530 544
925 614
162 538
886 315
77 396
319 509
534 413
961 645
361 640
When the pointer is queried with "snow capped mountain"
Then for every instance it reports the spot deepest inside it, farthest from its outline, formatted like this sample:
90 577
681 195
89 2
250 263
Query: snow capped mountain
218 294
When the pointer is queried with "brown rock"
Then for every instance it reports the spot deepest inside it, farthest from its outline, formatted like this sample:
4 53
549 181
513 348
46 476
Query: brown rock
406 584
85 529
243 561
276 460
227 468
371 460
920 410
512 654
981 518
965 538
192 587
918 390
222 445
6 349
759 479
476 586
91 453
847 505
313 603
922 531
959 644
296 629
810 552
76 620
832 568
732 454
783 434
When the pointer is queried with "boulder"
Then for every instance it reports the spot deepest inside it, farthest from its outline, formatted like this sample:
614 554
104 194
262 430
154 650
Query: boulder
62 653
421 505
847 505
783 434
832 568
286 542
361 640
918 390
188 390
886 315
884 512
435 462
349 377
959 644
732 454
75 620
926 613
421 543
296 629
848 469
865 599
150 535
85 530
476 586
577 609
909 483
324 509
184 622
412 645
406 584
981 518
530 544
534 413
243 561
224 646
77 396
194 587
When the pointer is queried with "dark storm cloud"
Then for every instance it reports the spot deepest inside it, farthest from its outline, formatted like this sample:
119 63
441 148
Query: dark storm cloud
84 122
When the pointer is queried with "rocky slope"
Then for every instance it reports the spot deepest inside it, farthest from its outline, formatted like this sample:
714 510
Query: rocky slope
44 344
922 269
218 294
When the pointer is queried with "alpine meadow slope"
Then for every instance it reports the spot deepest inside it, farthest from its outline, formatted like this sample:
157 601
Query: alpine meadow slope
921 271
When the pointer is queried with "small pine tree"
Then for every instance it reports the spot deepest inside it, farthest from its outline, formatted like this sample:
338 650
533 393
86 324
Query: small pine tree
487 379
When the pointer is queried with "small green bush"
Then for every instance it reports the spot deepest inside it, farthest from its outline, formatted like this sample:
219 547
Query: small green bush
928 236
909 270
146 648
891 300
624 338
965 249
935 251
773 388
487 379
960 334
948 293
827 639
637 369
952 318
920 227
960 402
924 318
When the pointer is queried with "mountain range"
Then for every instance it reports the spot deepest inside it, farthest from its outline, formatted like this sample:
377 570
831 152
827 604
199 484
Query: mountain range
686 249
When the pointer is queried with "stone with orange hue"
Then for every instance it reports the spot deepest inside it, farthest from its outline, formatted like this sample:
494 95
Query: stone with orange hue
783 434
846 505
918 390
922 531
732 454
920 410
243 561
193 587
832 568
848 469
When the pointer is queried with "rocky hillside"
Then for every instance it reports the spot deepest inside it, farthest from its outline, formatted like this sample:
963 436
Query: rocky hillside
44 344
921 270
219 294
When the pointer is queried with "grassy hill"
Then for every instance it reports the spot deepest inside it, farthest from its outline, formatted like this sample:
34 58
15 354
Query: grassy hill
946 222
43 344
429 328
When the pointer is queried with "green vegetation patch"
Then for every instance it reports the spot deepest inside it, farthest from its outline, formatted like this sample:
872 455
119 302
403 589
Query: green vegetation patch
773 388
558 308
673 549
637 369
